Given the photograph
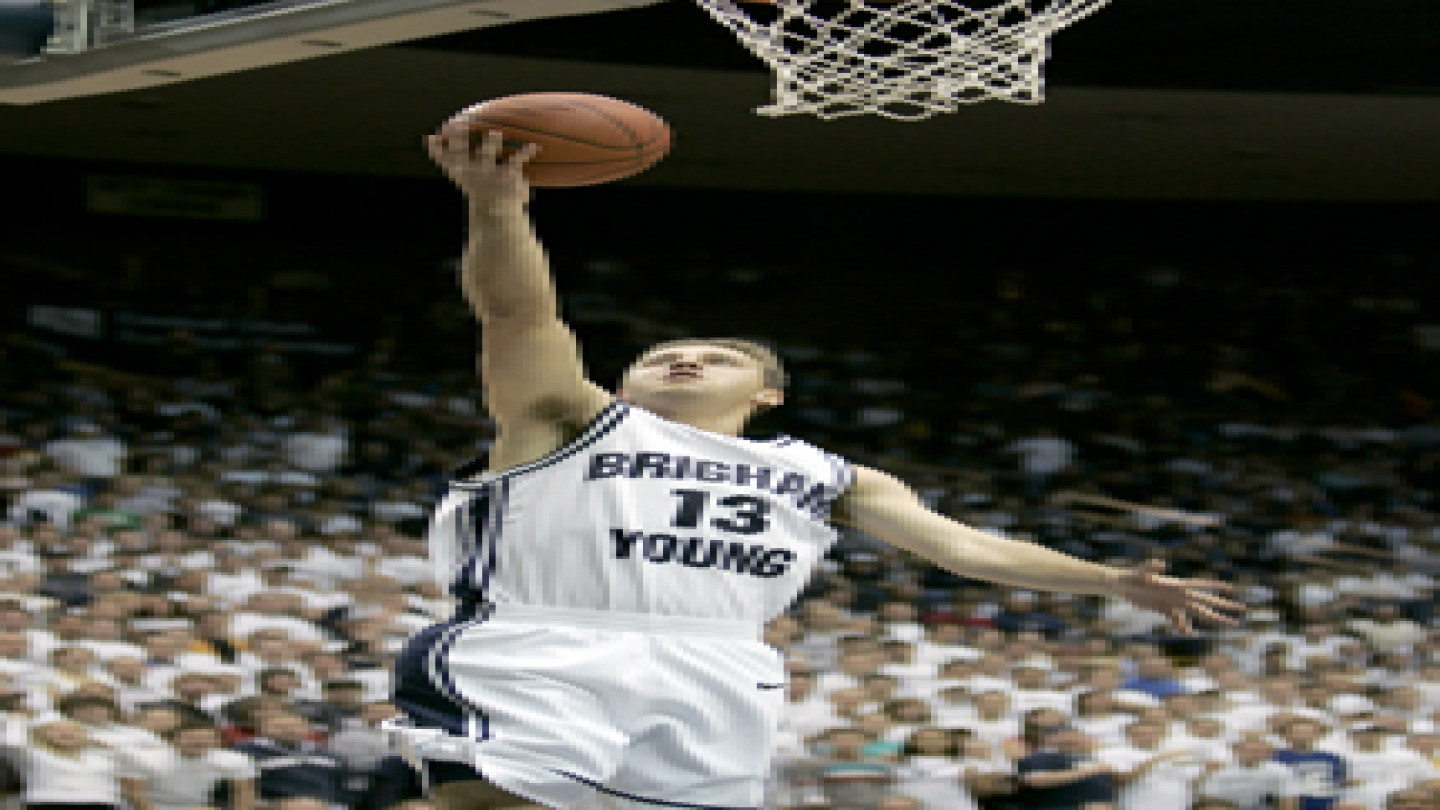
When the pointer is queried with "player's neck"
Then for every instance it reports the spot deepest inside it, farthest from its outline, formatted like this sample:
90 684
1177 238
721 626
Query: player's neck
728 424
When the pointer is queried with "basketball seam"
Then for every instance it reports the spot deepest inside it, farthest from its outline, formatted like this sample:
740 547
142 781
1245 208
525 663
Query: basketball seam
582 162
557 135
605 176
620 125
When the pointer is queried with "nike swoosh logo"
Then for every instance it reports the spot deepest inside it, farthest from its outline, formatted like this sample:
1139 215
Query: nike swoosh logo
769 686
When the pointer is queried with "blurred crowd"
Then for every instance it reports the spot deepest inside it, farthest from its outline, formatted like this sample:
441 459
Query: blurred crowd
208 564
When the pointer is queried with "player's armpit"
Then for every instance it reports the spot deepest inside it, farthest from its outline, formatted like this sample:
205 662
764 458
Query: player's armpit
532 373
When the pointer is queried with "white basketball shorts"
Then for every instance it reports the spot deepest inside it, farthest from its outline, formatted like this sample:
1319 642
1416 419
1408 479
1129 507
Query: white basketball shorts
571 708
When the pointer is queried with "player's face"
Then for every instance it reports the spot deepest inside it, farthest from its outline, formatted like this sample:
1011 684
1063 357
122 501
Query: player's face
689 371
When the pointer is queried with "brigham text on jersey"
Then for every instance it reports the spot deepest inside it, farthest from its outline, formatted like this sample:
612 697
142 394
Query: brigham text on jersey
814 497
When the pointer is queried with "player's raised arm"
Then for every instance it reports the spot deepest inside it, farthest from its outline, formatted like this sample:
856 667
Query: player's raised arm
530 360
883 506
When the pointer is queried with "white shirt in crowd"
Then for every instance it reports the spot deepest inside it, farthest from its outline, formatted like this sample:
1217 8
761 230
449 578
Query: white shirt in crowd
1127 620
1024 700
1394 636
1166 786
1381 773
51 506
186 782
1107 730
97 457
222 512
808 717
90 777
315 452
139 751
16 561
930 654
994 732
1043 455
14 729
913 632
939 782
245 623
1249 785
105 650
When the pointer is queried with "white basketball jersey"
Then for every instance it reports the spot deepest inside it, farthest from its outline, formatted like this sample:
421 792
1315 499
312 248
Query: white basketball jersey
643 515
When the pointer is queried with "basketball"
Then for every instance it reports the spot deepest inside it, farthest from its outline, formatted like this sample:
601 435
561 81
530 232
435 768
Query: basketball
584 139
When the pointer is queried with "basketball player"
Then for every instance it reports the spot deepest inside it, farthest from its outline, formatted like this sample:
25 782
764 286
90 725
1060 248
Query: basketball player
617 556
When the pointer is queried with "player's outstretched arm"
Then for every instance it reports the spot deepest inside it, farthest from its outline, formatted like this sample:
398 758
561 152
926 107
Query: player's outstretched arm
883 506
530 360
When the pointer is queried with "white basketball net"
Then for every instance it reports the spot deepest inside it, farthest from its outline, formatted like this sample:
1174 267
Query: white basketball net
906 60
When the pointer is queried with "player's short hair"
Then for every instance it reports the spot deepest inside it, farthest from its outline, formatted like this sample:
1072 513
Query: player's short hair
774 370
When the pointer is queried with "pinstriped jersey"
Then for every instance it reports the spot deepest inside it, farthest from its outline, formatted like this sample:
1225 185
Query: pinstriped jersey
644 515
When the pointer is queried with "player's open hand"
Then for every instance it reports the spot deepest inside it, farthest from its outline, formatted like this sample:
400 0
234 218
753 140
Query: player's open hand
1181 600
482 173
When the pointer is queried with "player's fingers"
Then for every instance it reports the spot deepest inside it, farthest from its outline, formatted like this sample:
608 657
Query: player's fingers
523 155
1182 621
1217 601
435 147
1206 613
1211 585
451 137
490 147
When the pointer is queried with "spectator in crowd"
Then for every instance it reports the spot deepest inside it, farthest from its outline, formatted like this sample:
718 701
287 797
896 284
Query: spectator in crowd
1252 782
1411 799
89 453
290 764
1319 776
1042 457
849 779
1097 718
1149 774
339 707
1059 774
1377 769
190 692
930 772
1385 630
1154 677
68 771
1032 731
199 773
136 749
1021 614
1029 688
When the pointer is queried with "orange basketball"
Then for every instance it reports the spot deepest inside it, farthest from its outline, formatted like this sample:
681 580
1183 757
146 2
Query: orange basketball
584 139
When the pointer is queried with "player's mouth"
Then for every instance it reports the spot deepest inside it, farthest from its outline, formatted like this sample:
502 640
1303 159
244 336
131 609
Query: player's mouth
682 375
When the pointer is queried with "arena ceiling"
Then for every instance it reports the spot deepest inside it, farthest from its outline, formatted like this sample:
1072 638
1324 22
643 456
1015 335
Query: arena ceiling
1330 99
